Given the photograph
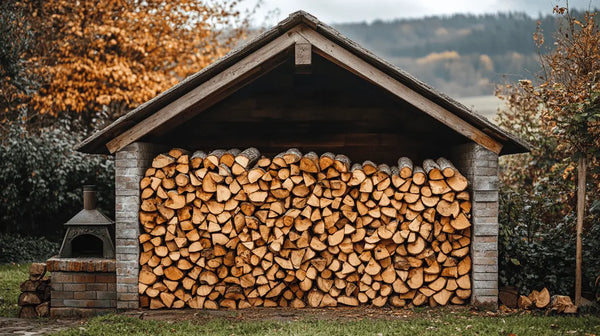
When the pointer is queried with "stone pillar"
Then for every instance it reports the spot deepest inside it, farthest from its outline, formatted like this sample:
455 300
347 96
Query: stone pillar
480 167
131 163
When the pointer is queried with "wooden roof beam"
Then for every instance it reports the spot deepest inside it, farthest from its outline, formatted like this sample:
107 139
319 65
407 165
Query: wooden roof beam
236 73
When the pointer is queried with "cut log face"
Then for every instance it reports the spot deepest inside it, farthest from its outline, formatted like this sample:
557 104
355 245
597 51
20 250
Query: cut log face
233 229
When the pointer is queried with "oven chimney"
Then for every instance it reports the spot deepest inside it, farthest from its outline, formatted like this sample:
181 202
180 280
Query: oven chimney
89 197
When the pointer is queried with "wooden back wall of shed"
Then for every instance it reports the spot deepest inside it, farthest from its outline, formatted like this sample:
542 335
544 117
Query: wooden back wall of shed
328 110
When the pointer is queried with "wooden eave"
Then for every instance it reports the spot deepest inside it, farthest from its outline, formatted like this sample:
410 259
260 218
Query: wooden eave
300 31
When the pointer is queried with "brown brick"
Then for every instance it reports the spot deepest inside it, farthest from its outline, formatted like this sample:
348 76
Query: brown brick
74 287
61 295
95 287
74 266
59 277
82 277
79 312
54 302
106 295
55 286
86 295
106 278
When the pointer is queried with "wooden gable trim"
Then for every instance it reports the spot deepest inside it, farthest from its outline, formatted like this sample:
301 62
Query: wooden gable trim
227 78
299 36
342 57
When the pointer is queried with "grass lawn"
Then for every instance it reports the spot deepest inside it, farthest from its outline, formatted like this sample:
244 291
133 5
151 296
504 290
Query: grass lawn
11 277
437 322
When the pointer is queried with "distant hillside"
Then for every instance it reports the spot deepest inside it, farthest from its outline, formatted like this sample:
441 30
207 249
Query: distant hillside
461 55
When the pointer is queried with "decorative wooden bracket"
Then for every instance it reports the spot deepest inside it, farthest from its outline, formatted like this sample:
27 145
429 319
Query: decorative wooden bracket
303 57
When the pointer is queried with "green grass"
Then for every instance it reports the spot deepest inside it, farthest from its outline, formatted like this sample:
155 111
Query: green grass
443 324
11 277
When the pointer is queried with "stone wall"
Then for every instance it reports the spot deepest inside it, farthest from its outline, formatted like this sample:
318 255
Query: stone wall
131 163
480 167
82 287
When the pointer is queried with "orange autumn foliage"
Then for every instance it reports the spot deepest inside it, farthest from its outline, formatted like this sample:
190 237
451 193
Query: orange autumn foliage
101 58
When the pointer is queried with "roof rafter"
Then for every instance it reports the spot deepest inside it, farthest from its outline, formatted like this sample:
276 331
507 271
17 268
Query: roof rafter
236 73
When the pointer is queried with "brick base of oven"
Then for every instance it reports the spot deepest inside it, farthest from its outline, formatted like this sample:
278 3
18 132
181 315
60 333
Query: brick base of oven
82 286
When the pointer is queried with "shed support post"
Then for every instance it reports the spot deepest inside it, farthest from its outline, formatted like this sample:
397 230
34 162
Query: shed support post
131 163
480 167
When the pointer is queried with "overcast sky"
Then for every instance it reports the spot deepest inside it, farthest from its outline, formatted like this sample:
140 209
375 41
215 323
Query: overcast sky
341 11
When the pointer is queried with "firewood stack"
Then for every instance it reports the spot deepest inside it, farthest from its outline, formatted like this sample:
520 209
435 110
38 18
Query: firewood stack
231 229
35 293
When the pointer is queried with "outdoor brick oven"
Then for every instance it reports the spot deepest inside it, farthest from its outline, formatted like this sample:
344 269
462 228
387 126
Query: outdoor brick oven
303 85
83 278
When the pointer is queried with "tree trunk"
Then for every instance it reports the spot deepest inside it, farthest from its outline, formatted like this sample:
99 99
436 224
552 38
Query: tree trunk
581 170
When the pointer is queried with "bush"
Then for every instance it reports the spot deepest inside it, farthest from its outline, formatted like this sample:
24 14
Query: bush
42 178
535 254
17 249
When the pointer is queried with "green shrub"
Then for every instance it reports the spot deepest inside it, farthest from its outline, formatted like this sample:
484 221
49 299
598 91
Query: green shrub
42 178
18 249
534 253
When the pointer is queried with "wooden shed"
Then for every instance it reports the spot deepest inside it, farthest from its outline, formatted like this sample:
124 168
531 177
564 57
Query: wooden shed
303 85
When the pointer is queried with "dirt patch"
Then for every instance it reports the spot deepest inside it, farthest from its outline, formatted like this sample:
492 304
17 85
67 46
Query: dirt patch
294 314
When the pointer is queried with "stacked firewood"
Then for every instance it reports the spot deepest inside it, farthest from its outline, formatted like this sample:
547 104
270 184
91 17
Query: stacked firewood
234 230
35 293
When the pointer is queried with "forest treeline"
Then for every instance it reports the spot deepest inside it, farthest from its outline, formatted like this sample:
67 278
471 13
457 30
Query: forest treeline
462 55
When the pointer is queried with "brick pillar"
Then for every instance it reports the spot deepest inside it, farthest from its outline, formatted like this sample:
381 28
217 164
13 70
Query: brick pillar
131 163
480 167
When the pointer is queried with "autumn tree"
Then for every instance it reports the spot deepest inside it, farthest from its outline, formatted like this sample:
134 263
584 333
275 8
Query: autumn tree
560 111
97 59
16 39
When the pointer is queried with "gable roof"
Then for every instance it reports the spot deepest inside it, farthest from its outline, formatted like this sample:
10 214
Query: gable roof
306 27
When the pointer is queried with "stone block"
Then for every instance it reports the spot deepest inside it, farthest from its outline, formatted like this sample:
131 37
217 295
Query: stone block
128 297
484 276
485 284
485 261
485 220
484 291
485 196
480 246
484 183
485 229
126 288
485 269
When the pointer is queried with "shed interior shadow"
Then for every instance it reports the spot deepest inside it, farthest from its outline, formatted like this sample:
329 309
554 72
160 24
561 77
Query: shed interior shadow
330 109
